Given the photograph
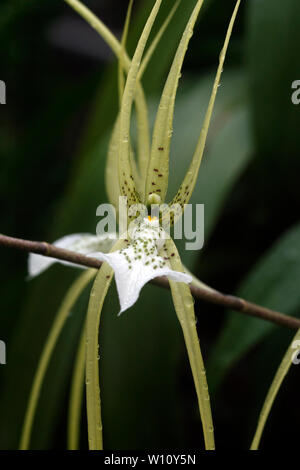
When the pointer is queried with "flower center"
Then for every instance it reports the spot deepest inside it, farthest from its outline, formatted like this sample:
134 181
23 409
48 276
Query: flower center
147 239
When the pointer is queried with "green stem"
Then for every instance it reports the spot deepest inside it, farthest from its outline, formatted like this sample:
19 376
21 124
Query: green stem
273 391
71 297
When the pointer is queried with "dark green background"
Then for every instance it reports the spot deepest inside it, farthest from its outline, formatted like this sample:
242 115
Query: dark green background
61 103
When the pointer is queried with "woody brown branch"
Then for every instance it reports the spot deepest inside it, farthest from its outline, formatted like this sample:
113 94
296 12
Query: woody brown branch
208 295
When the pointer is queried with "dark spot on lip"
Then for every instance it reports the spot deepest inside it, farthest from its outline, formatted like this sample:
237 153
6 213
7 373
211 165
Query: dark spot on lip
153 184
160 175
107 277
155 169
161 148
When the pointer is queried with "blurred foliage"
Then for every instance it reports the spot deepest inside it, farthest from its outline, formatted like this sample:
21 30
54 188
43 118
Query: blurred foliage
61 104
273 282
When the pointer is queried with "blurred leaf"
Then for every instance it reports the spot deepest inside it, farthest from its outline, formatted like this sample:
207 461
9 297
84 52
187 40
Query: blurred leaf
273 32
273 283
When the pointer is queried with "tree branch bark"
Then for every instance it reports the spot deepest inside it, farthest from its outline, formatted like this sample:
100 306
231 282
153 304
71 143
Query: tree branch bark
207 294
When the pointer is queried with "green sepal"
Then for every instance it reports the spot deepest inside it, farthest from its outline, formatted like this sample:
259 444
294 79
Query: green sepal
141 105
186 188
184 306
126 182
112 165
158 169
123 44
97 297
274 389
68 303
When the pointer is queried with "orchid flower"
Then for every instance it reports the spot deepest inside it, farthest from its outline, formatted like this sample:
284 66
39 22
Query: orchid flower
134 265
146 252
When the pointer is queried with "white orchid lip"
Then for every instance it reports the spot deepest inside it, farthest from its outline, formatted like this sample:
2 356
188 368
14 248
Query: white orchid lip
134 265
139 262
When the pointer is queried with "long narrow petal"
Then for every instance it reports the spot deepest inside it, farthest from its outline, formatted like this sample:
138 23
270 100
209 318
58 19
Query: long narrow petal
126 182
83 243
117 48
97 297
158 169
123 44
70 299
139 175
76 395
186 189
143 158
184 306
143 136
112 168
156 40
274 389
